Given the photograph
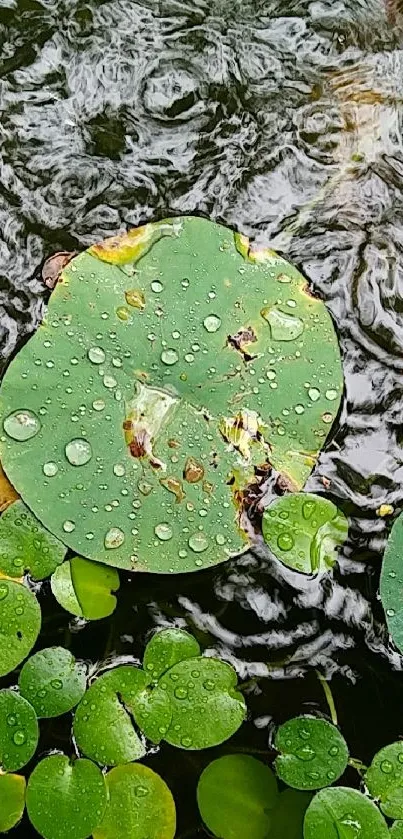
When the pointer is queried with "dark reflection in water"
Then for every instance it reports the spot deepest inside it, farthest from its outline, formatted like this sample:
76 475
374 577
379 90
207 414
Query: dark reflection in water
282 118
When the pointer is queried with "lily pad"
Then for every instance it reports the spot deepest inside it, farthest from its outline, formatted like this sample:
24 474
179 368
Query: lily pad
183 382
391 585
167 648
206 707
396 831
304 531
12 801
26 545
342 813
384 780
236 795
85 588
103 725
20 622
312 753
140 805
66 799
287 819
18 731
52 681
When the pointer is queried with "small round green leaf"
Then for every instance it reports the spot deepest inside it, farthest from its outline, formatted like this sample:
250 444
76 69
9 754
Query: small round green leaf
206 706
312 753
18 731
26 545
396 831
20 622
391 585
66 799
12 801
140 806
52 681
342 813
236 795
287 819
167 648
85 588
384 780
103 725
304 531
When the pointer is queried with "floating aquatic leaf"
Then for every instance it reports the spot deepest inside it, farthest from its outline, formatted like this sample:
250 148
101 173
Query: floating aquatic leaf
12 801
391 585
204 704
20 622
85 588
66 799
287 818
342 813
26 545
18 731
143 416
103 725
396 831
384 780
236 795
304 531
312 753
7 492
140 805
52 681
167 648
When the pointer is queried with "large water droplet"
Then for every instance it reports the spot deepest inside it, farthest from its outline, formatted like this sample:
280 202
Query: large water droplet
351 827
307 509
19 737
119 470
21 425
114 538
163 531
198 542
96 355
387 767
57 684
212 323
68 526
181 693
169 356
314 394
109 381
156 286
11 720
98 405
283 327
285 542
50 469
78 452
305 753
186 742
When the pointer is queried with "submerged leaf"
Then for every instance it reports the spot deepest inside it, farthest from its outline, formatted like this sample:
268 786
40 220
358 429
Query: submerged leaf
66 799
183 402
140 805
343 813
52 681
236 795
304 531
312 753
18 731
20 622
12 801
25 545
85 588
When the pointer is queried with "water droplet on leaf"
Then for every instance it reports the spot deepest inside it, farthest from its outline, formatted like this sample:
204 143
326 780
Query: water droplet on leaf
21 425
78 452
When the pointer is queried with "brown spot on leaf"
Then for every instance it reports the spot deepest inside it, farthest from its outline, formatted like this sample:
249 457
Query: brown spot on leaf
174 444
53 267
241 340
193 471
135 298
7 492
207 487
242 430
285 484
175 486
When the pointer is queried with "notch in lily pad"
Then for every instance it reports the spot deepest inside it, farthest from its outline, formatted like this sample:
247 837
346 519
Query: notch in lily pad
53 681
86 588
26 545
312 753
305 531
20 624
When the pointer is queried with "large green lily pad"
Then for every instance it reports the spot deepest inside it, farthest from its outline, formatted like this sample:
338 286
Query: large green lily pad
53 681
312 753
174 367
140 805
391 586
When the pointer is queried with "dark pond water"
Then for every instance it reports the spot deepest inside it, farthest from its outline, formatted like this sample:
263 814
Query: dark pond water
281 118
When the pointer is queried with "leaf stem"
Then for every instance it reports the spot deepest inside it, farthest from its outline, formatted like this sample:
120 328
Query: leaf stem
357 765
329 697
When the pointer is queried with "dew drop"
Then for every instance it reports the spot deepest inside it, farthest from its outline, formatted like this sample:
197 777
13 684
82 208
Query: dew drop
57 684
163 531
305 753
169 357
390 613
314 394
78 452
114 538
180 693
387 767
21 425
109 381
157 287
307 509
68 526
283 327
96 355
119 470
331 395
19 737
209 685
141 792
334 751
122 313
98 405
50 469
285 542
11 720
186 742
198 542
3 591
212 323
220 539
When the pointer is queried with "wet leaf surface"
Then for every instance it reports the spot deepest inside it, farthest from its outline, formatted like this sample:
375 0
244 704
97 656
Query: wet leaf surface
167 648
396 831
12 801
140 805
236 796
159 392
312 753
304 531
85 588
52 681
66 800
18 731
384 780
391 585
20 622
26 545
342 813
